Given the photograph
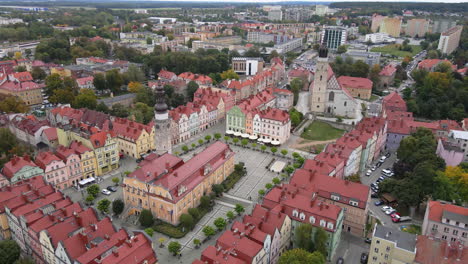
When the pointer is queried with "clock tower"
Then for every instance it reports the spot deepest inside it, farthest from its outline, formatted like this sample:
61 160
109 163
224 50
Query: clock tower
162 123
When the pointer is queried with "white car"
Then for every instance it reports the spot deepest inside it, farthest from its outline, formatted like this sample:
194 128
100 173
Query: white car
386 208
389 212
106 192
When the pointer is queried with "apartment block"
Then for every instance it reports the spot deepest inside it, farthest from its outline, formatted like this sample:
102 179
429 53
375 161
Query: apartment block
392 246
450 39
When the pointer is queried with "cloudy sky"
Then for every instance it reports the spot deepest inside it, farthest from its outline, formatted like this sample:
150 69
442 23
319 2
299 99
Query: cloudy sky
269 1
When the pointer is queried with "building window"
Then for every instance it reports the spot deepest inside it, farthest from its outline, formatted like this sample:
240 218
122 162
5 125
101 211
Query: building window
446 229
455 232
388 249
376 250
335 197
312 220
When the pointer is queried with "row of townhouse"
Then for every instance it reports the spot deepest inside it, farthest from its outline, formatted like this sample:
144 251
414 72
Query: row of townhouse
169 76
133 138
21 85
169 186
270 76
52 229
63 169
255 118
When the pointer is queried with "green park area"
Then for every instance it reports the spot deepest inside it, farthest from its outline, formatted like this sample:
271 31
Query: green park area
394 49
320 131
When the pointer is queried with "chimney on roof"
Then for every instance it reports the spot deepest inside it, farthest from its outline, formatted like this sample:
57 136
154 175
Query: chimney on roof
128 242
175 174
115 252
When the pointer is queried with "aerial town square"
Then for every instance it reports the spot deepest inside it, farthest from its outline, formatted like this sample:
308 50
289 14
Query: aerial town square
233 132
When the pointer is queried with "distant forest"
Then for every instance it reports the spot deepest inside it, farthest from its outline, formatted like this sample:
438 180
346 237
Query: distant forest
430 7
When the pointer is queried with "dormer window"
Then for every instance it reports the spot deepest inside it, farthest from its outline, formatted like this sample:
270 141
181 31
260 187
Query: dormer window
335 197
353 203
322 223
295 213
330 225
302 216
207 169
312 220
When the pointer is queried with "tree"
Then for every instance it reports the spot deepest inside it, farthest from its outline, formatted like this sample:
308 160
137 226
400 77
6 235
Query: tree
53 82
205 202
268 186
341 49
303 237
146 218
207 138
254 145
103 205
244 142
284 152
192 87
276 181
13 104
134 74
197 243
301 256
161 241
185 148
118 206
273 54
239 209
93 190
193 145
38 73
274 150
229 75
9 251
99 82
194 212
26 260
235 140
220 223
208 231
289 170
261 192
226 138
217 136
135 87
114 80
296 86
320 241
230 215
149 231
186 220
200 141
89 199
86 99
8 141
263 148
174 247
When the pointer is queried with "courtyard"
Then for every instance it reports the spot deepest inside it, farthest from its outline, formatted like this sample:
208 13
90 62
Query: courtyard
321 131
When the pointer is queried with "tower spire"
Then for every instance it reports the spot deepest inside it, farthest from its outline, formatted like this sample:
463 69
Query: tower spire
160 106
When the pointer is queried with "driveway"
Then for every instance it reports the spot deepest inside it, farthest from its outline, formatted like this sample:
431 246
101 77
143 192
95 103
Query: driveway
350 248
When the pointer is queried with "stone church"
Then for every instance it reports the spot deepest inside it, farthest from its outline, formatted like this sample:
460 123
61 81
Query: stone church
326 95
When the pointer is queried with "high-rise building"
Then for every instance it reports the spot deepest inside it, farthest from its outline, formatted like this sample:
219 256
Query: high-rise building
391 26
417 27
442 25
333 37
275 15
321 10
376 21
450 39
162 123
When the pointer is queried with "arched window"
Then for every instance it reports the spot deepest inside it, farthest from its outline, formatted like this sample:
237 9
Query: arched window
312 220
331 96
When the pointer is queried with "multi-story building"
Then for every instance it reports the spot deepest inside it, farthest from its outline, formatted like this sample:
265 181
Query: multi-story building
379 38
275 15
284 99
358 87
333 37
450 39
175 185
433 250
133 139
460 138
391 26
247 66
55 170
321 10
392 246
20 168
376 22
417 27
88 162
290 45
440 26
387 76
370 58
106 151
73 163
446 221
30 92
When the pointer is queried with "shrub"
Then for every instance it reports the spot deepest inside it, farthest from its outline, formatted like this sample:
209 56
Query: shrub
149 231
218 189
187 221
117 206
174 247
208 231
205 202
194 212
146 218
169 230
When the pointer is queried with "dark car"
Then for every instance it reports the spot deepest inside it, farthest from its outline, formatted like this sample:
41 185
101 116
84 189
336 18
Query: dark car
388 155
368 240
379 203
374 194
112 188
364 258
340 260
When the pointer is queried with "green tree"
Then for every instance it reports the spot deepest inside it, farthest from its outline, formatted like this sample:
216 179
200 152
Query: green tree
320 241
239 209
118 206
244 142
101 107
301 256
274 150
341 49
86 99
263 148
103 205
220 223
93 190
235 140
268 186
146 218
289 170
284 152
149 231
208 231
114 80
261 192
217 136
13 104
53 82
276 181
192 87
99 82
303 237
230 215
218 189
226 138
89 199
200 141
296 86
194 212
186 220
229 75
63 96
38 73
185 148
9 251
174 247
8 141
207 138
116 180
205 202
197 243
26 260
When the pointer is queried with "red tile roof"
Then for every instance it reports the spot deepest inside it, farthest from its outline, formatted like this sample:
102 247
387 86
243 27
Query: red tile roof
394 101
84 81
50 133
99 139
436 210
64 211
166 74
213 255
152 166
436 251
78 147
45 158
113 240
249 230
355 82
388 70
128 129
22 76
245 248
274 114
136 250
16 164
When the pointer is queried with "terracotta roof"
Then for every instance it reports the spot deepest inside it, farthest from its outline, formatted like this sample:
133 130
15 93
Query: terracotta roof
84 81
213 255
99 139
15 164
138 249
355 82
45 158
274 114
22 76
128 129
245 248
61 212
394 101
166 74
50 133
435 251
388 70
78 147
249 230
437 209
64 152
153 166
113 240
282 91
318 166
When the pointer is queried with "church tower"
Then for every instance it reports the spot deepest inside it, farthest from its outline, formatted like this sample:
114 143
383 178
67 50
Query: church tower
162 124
319 89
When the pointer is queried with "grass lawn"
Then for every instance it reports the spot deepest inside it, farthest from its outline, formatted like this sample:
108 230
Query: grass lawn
412 229
392 49
318 131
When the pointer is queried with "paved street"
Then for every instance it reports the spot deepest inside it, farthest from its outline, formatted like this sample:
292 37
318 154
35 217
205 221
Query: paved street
350 248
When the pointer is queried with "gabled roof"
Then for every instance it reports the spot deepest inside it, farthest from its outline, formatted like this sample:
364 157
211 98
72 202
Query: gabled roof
45 158
245 248
355 82
84 80
438 251
15 164
137 249
437 210
388 70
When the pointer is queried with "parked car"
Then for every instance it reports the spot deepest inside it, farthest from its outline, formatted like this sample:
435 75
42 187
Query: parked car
368 173
396 219
379 203
389 212
106 192
112 188
381 178
396 214
374 168
368 240
404 219
340 260
378 164
388 155
374 194
364 257
382 159
385 208
386 171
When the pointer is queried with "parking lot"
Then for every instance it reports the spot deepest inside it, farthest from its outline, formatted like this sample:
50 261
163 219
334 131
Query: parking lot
375 210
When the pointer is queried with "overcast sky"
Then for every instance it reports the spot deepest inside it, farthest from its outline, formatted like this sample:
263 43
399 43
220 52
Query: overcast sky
261 1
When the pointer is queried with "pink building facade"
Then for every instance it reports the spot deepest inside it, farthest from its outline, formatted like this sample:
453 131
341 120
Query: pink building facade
55 170
72 162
